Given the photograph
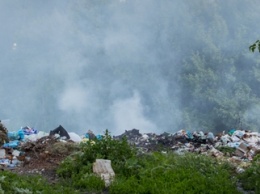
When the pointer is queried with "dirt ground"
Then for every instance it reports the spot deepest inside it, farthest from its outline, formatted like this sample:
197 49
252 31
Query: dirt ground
43 157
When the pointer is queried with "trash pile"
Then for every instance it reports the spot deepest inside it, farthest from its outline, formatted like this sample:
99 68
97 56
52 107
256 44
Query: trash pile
236 146
34 151
29 151
30 148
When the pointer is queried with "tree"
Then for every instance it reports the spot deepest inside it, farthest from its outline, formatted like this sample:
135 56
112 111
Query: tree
254 46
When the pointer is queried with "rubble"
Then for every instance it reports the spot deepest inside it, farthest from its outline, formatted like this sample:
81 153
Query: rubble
75 137
29 130
35 153
103 168
41 152
60 131
246 144
3 134
241 150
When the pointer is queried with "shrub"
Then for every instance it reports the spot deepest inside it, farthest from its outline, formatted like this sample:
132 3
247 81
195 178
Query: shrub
250 179
90 182
77 168
147 173
227 150
177 174
13 183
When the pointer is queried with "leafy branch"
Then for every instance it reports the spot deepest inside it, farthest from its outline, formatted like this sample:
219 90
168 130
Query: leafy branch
254 46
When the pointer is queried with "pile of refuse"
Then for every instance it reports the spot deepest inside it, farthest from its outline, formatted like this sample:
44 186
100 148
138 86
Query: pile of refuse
36 148
236 146
43 150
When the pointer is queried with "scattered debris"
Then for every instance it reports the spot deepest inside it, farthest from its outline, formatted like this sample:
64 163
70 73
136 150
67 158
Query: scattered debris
103 168
240 146
28 130
60 131
3 134
31 151
75 137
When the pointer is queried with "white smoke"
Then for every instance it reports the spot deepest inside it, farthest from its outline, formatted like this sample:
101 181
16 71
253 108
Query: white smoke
74 98
252 116
129 113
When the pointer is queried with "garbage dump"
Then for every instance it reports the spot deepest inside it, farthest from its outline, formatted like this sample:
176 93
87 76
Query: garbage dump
245 144
32 149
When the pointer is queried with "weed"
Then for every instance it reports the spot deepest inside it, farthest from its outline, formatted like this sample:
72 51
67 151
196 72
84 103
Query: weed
250 179
13 183
227 150
171 173
78 167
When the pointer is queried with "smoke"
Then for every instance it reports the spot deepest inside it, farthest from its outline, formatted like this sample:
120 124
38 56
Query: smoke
74 99
129 113
251 117
97 64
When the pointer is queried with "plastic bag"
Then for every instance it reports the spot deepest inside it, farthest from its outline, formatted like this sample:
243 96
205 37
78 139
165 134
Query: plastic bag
12 144
18 135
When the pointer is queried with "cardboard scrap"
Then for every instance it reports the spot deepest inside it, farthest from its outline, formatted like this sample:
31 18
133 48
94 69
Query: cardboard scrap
103 168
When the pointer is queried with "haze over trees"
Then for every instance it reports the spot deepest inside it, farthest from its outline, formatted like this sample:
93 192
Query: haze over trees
122 64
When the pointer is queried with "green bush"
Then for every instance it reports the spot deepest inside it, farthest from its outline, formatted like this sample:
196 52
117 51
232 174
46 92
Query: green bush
127 185
178 174
227 150
118 151
13 183
90 182
72 165
77 168
250 179
147 173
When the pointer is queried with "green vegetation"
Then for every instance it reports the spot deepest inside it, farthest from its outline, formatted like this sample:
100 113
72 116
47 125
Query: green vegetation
77 169
177 174
13 183
254 46
146 173
250 179
227 150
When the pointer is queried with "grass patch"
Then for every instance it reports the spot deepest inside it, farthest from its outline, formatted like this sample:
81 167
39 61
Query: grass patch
13 183
77 169
227 151
250 179
178 174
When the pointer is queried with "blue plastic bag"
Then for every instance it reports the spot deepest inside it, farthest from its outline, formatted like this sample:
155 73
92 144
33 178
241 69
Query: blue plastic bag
231 131
99 137
18 135
28 130
12 144
189 135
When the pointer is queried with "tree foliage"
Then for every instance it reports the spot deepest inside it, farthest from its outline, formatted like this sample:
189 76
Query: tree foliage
254 46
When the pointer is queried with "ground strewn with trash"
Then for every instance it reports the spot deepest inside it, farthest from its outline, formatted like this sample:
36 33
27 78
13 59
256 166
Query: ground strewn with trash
238 146
132 162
